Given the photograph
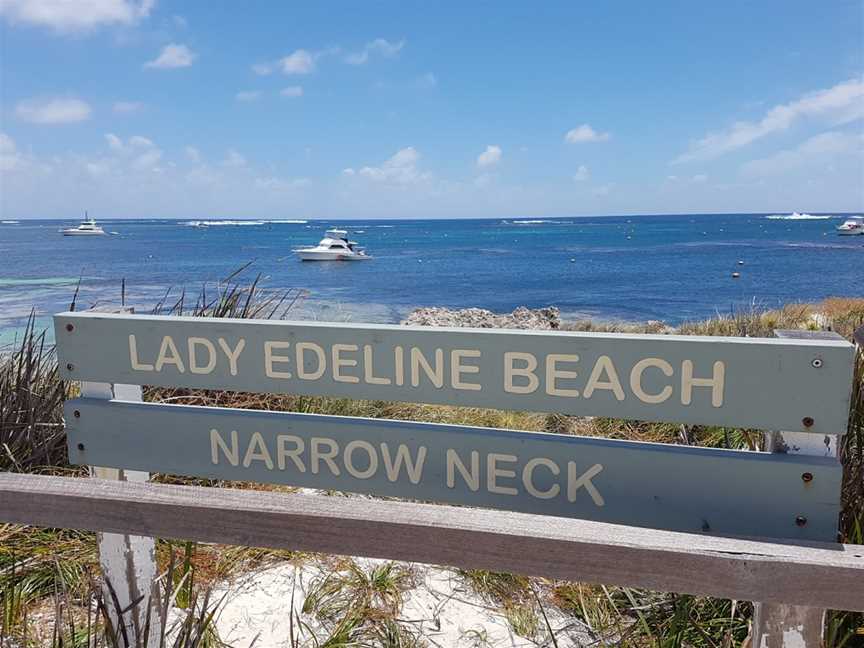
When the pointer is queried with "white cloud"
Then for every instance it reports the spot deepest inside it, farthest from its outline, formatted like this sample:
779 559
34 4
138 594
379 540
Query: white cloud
234 159
148 159
125 107
262 69
292 91
484 180
192 153
135 142
140 142
9 157
357 58
98 168
272 183
114 142
585 133
426 81
67 16
814 151
53 111
172 56
348 172
840 104
379 46
604 190
135 178
247 96
699 178
141 153
299 62
399 169
582 173
490 157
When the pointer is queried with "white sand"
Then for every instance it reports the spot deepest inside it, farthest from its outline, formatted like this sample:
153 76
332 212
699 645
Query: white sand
442 609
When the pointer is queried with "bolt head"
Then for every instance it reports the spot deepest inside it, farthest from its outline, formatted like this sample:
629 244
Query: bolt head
807 421
70 366
816 363
81 446
76 414
801 521
70 327
807 477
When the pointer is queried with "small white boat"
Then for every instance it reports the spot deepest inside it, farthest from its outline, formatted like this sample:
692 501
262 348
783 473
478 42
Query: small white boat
87 227
335 246
851 226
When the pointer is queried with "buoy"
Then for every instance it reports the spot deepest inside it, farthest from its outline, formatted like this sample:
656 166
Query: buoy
740 263
572 260
735 275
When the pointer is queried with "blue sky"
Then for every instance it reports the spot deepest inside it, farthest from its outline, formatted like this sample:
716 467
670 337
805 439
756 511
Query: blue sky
143 108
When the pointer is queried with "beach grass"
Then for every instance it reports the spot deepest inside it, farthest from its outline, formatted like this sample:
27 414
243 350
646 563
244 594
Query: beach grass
54 572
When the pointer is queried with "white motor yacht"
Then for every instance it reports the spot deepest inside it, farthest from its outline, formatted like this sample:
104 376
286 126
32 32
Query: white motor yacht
335 246
87 227
851 226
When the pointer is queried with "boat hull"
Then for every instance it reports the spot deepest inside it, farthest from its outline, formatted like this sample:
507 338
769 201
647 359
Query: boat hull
314 255
74 233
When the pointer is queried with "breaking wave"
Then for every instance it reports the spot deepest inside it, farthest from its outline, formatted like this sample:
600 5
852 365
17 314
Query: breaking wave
796 216
220 223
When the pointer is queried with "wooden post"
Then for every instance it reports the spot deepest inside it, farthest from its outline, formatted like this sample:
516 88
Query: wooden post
127 561
791 626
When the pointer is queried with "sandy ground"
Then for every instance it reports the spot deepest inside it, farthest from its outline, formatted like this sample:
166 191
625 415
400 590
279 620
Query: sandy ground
442 609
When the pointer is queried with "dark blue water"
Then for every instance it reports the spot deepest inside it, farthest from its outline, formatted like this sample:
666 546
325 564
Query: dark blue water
672 268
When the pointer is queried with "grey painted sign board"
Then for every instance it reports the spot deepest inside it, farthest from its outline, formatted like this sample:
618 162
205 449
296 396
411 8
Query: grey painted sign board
761 383
641 484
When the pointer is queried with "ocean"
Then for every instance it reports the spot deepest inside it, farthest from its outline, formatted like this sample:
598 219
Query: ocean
635 268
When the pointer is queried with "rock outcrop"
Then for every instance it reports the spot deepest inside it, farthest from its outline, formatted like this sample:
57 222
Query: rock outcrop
521 318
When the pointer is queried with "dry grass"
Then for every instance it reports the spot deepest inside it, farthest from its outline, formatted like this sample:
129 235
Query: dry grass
32 437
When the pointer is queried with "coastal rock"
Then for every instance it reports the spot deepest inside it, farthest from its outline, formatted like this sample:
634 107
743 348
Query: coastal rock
522 318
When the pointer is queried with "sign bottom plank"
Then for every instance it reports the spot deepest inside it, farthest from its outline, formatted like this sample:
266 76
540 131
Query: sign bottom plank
698 490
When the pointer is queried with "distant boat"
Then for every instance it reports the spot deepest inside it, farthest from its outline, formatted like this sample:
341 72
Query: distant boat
335 246
852 226
87 227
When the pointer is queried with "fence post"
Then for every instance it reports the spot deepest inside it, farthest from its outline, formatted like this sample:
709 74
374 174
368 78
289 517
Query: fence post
127 561
794 626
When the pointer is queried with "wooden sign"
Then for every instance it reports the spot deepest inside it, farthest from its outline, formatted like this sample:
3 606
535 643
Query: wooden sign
653 485
793 385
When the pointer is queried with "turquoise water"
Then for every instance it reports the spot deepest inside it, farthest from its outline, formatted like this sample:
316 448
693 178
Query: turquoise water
672 268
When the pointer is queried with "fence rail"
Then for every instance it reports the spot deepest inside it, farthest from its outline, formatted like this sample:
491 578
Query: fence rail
829 575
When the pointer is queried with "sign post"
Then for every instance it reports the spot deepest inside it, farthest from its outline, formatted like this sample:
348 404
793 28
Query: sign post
795 626
128 561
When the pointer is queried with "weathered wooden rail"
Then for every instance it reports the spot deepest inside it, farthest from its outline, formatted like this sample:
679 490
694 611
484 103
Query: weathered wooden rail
758 526
798 573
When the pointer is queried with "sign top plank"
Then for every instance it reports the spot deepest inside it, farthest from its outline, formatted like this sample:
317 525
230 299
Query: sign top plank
760 383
